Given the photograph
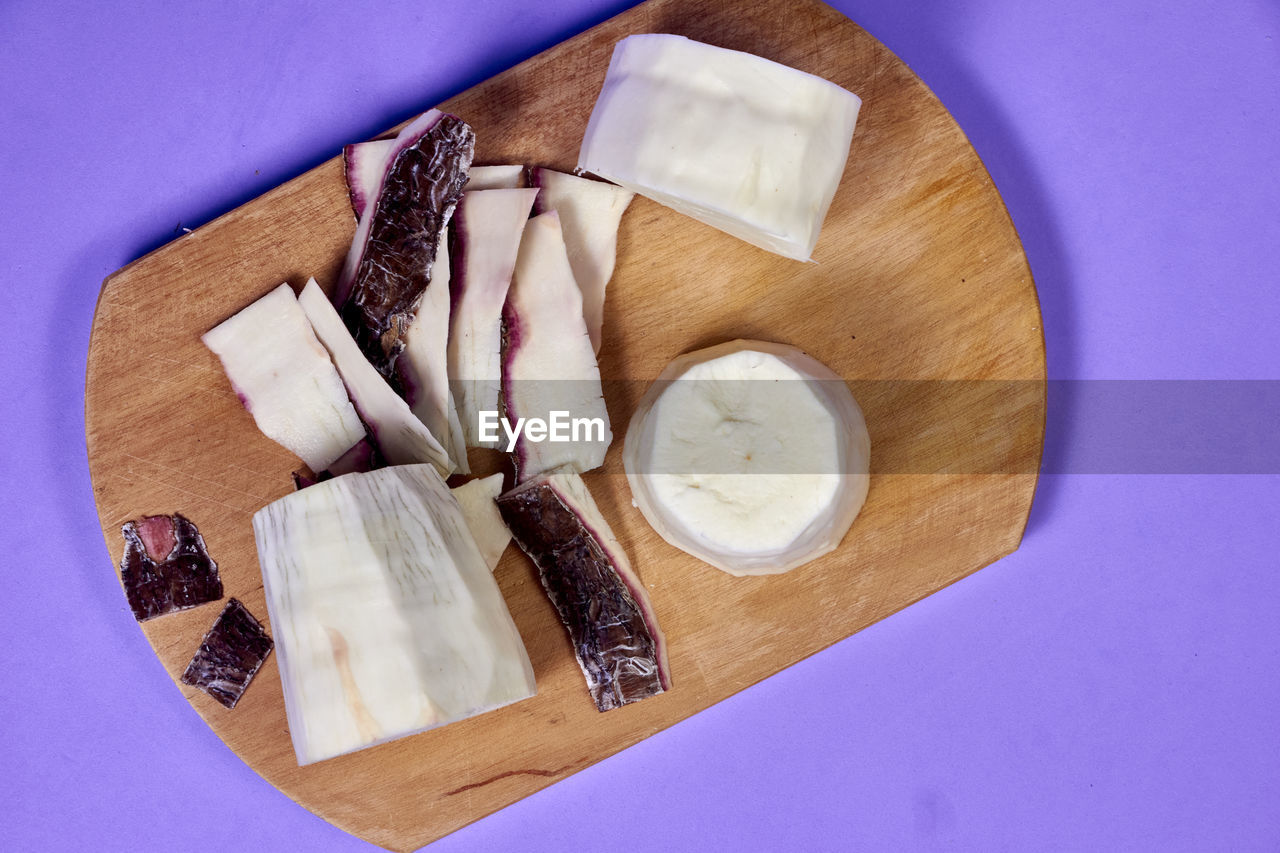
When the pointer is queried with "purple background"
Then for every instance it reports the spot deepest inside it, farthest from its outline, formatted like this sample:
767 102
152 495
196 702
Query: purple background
1112 684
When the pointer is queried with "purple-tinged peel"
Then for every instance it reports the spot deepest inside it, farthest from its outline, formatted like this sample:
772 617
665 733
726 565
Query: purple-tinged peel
283 376
365 164
423 369
166 566
487 231
229 656
598 596
548 365
393 254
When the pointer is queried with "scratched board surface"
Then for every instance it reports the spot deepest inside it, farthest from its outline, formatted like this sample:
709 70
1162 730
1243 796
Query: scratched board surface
919 275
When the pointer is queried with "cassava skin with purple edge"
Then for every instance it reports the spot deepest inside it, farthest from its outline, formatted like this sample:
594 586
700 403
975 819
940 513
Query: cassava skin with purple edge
282 375
487 231
587 576
400 436
166 566
362 457
230 655
590 212
394 250
422 368
365 164
548 365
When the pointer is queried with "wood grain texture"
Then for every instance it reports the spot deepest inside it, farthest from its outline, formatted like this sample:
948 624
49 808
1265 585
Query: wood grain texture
919 276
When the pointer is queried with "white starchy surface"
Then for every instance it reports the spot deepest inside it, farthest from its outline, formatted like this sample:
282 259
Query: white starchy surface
369 160
456 435
549 365
386 619
285 379
494 177
749 455
746 145
489 224
476 497
747 444
423 364
401 437
590 212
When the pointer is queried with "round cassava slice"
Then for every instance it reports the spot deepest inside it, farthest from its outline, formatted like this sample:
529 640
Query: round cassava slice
749 455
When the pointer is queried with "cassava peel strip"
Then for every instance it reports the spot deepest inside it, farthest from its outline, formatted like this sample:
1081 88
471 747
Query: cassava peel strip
394 250
588 578
166 566
230 655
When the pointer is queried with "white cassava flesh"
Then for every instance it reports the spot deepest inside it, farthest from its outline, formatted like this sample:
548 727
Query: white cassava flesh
495 178
422 368
283 376
590 212
386 620
743 144
548 365
749 455
488 225
476 497
399 435
365 164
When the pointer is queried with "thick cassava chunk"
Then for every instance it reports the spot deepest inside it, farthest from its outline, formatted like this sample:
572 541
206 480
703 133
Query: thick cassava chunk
387 621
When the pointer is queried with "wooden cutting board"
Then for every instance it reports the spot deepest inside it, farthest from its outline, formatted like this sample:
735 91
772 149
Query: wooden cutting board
919 279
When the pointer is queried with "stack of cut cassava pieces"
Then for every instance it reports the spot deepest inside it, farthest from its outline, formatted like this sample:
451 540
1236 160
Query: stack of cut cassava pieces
378 587
617 343
457 310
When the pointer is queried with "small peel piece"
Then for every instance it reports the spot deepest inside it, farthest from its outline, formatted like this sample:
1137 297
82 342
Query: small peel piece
166 566
229 656
363 456
586 574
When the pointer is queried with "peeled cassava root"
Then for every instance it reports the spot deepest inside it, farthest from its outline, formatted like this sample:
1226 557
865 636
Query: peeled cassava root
749 455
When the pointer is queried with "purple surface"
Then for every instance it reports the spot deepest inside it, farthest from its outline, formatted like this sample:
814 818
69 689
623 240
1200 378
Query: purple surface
1113 684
